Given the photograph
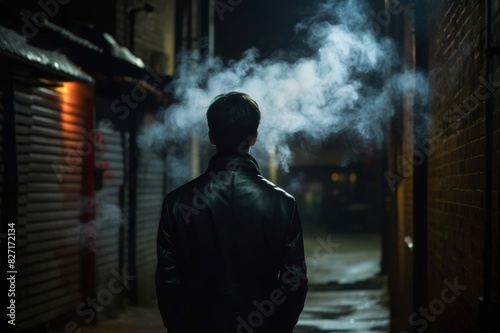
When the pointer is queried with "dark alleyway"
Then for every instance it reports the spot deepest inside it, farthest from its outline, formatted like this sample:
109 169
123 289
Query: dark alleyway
346 292
382 112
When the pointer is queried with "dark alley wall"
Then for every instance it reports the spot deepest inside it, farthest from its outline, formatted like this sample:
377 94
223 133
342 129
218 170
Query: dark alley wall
451 157
456 195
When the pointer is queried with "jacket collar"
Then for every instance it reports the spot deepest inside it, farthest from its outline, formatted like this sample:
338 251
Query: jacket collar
233 162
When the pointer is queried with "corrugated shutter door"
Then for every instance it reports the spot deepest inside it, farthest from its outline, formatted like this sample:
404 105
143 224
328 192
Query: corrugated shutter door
150 192
49 135
2 164
125 211
109 215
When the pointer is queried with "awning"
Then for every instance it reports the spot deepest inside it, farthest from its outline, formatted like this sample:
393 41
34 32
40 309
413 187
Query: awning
102 57
16 48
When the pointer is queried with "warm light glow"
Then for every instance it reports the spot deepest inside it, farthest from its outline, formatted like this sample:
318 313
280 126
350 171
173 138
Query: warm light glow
68 93
335 177
71 113
273 165
353 177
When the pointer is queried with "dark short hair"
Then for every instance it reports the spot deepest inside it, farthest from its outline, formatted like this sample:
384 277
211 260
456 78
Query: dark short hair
232 119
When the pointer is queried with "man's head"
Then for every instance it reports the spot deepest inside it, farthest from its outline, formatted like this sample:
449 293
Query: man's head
233 120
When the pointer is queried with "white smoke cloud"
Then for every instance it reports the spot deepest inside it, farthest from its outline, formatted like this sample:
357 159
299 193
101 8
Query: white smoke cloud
345 88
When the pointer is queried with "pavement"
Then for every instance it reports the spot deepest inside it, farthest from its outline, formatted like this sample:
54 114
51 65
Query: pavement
346 291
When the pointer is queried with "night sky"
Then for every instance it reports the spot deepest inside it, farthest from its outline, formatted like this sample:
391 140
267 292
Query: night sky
266 25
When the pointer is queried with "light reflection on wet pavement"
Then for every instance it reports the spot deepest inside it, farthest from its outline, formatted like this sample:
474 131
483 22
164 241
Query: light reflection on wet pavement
347 293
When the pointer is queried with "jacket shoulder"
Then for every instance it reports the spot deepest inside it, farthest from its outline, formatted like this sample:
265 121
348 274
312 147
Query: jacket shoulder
278 191
185 189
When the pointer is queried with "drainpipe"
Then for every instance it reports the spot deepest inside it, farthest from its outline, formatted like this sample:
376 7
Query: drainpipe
489 309
133 161
88 216
421 135
211 28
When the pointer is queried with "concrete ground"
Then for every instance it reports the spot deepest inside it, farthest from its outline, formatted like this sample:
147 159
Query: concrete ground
346 294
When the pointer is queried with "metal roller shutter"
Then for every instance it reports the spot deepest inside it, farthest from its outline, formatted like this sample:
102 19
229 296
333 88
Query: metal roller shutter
109 211
150 192
2 164
49 137
126 138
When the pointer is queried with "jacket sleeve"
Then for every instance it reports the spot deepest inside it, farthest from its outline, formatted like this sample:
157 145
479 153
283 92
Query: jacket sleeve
167 277
293 280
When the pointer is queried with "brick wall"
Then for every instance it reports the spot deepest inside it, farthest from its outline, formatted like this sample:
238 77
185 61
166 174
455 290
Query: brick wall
496 163
456 167
456 174
154 32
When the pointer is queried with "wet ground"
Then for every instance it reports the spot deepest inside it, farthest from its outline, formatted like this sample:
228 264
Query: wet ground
346 294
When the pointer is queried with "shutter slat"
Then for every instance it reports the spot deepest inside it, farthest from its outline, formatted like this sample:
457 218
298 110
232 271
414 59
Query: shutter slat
49 141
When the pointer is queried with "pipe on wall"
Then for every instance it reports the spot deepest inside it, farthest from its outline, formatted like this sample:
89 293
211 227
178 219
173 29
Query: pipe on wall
488 152
489 309
421 134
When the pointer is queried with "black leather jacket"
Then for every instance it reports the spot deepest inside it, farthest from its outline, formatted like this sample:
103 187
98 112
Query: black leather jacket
230 253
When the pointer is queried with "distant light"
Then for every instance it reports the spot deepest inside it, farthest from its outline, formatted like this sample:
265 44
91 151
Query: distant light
353 177
409 242
335 177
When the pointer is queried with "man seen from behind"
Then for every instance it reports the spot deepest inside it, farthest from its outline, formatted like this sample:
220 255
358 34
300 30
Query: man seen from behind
230 245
